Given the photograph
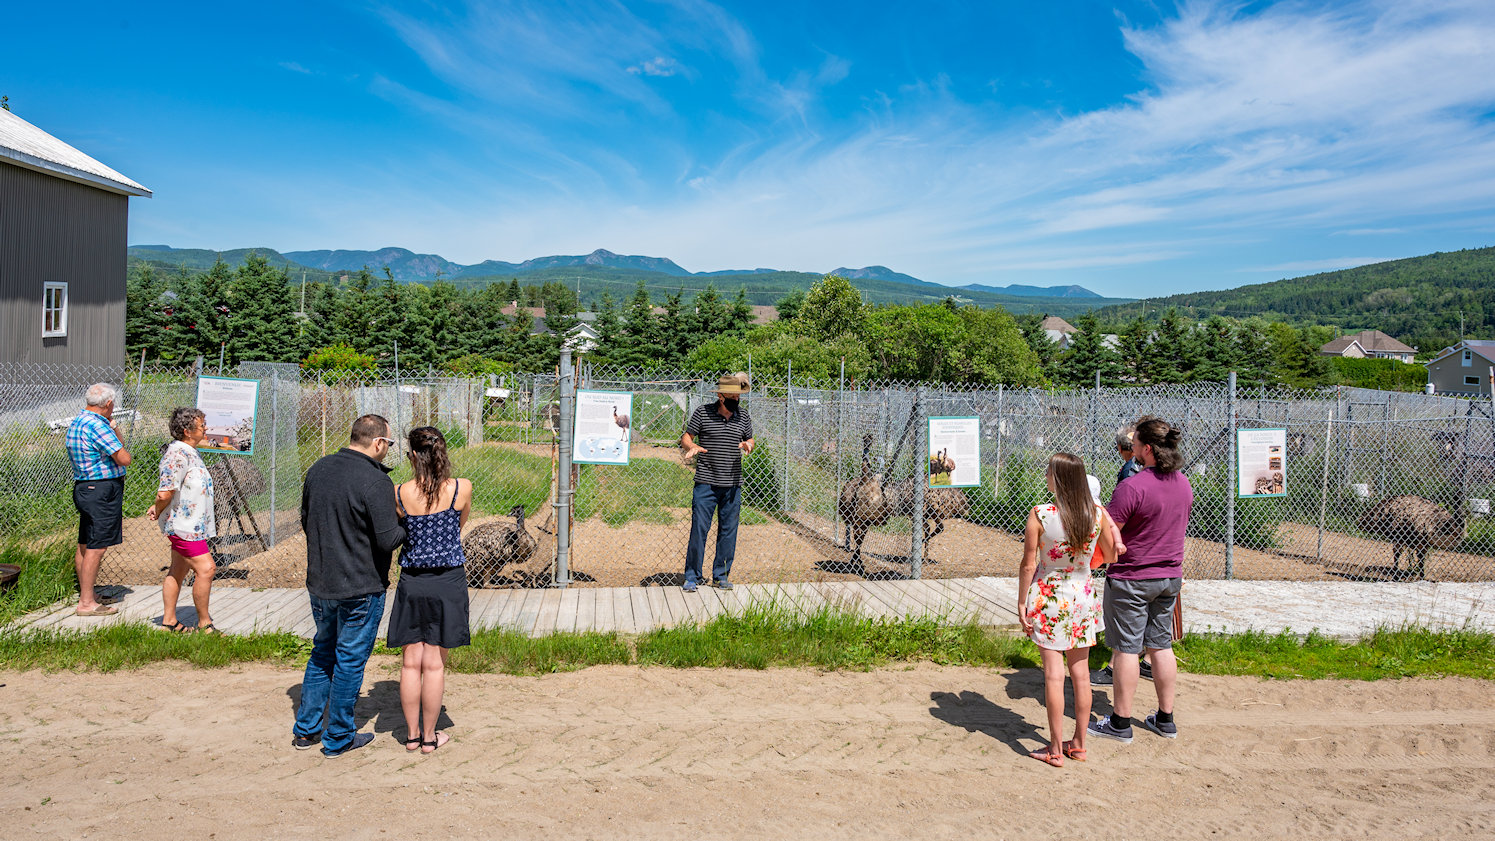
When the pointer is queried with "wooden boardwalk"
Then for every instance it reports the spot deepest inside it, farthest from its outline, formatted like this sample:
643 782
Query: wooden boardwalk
628 610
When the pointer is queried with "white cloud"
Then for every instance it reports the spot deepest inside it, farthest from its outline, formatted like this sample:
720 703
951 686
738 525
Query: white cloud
294 67
660 66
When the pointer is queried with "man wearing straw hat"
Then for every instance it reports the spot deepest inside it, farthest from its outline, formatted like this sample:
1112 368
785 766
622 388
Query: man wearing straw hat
718 435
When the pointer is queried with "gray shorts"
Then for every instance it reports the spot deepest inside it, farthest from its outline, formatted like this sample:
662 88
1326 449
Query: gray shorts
1139 614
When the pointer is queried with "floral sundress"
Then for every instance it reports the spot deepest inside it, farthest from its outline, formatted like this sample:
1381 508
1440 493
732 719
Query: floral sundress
190 514
1062 603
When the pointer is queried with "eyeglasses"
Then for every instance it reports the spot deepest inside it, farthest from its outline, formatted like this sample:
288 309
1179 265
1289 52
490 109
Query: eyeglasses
392 442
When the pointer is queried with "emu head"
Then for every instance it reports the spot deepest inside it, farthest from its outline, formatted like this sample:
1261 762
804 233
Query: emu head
517 512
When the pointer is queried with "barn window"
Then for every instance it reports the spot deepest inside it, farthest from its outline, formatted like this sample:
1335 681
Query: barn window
54 309
1471 381
1468 358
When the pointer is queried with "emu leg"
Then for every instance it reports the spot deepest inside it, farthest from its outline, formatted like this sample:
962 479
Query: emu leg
1422 556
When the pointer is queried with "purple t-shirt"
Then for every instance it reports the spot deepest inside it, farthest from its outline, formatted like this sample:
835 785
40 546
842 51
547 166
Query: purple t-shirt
1153 513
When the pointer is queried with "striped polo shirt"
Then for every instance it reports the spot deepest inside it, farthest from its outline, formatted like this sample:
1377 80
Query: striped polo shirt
721 464
91 444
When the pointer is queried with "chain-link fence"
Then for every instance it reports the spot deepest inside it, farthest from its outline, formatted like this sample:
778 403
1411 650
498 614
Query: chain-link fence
833 489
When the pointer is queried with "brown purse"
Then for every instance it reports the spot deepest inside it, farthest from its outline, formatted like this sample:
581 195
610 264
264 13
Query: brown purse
1178 617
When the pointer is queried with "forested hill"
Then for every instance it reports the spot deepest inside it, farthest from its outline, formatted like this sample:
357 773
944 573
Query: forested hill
761 286
1418 300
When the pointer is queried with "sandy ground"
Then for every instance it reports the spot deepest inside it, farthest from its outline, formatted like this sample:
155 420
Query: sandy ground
624 752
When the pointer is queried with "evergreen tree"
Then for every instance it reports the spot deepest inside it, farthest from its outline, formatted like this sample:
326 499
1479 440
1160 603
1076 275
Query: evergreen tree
740 315
640 344
1170 356
512 292
1133 350
790 305
609 327
674 331
1216 348
415 327
145 322
1037 339
1089 354
1255 363
315 325
709 316
353 315
262 317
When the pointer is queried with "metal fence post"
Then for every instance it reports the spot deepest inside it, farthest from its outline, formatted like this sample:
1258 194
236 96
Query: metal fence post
840 448
274 448
1232 484
564 490
788 403
997 475
921 481
1094 434
1324 481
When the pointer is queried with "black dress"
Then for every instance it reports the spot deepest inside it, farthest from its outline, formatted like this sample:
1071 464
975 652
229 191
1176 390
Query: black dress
431 598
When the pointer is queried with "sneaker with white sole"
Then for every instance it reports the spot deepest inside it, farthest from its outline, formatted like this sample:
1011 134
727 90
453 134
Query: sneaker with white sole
1104 729
1167 731
1101 677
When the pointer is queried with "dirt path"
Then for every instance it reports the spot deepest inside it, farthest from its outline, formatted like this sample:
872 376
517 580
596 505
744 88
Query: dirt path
622 752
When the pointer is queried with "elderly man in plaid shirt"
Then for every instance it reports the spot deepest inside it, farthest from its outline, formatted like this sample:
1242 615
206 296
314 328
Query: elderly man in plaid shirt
99 462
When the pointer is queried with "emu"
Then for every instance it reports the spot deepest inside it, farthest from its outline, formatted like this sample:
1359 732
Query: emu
493 546
622 422
863 505
1415 524
940 504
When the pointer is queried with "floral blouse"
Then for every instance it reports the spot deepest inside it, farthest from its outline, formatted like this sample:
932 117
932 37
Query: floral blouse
190 514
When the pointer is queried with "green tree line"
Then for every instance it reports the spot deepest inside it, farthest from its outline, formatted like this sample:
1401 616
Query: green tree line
256 312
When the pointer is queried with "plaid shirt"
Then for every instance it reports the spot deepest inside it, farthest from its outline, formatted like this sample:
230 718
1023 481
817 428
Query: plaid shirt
91 444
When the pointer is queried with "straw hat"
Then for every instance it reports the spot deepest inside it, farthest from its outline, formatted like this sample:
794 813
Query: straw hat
730 384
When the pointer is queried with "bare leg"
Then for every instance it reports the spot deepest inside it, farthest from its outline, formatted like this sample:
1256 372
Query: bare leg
1053 697
202 586
1164 676
1078 660
1125 673
410 689
171 589
432 685
86 562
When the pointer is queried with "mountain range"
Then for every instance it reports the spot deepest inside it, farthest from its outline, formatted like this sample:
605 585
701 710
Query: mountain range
406 265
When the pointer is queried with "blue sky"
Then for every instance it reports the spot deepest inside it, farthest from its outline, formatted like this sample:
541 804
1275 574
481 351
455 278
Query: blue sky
1134 148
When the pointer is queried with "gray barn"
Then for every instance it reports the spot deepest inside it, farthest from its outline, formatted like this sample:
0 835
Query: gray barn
63 226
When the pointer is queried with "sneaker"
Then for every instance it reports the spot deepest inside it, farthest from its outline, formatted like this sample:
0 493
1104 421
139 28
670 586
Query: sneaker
304 742
1145 669
1104 729
359 740
721 583
689 586
1167 731
1101 678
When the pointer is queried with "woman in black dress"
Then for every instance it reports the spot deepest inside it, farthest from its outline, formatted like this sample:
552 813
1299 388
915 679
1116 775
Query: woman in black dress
430 609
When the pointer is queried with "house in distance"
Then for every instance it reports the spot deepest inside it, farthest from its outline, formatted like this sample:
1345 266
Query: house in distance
1463 368
1369 344
63 222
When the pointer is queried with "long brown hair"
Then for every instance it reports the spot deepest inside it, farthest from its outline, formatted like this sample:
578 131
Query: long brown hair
429 460
1072 498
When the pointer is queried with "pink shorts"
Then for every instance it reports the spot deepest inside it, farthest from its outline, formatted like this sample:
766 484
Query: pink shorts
187 548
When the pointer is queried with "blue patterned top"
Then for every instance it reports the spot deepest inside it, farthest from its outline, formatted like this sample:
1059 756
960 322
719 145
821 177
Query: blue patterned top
91 444
432 541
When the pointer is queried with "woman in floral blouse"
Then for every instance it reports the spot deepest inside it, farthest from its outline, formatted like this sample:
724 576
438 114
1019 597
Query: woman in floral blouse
1060 609
184 507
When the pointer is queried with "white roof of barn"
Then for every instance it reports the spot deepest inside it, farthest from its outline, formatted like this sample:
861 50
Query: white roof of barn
25 145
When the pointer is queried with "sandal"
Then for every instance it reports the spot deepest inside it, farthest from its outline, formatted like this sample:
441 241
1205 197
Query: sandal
1052 759
413 743
441 739
177 627
1077 754
101 610
209 629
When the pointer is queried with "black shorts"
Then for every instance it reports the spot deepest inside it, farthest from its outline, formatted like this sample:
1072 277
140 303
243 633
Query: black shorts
100 504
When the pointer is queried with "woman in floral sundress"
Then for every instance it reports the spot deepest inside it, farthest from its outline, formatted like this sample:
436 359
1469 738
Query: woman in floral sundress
1060 608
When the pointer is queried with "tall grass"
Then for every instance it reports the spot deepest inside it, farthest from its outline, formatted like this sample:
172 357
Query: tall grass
47 577
770 635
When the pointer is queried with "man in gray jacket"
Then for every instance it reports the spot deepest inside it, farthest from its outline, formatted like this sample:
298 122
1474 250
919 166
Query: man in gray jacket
348 513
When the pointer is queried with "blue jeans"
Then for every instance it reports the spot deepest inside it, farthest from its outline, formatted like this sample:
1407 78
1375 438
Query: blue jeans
726 503
346 632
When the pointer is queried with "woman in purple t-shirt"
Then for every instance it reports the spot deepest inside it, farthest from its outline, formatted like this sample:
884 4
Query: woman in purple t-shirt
1152 509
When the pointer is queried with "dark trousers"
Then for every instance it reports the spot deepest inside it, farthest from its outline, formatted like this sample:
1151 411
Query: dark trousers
726 503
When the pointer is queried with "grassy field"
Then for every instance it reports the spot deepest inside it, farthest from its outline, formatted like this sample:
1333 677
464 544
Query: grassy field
773 636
